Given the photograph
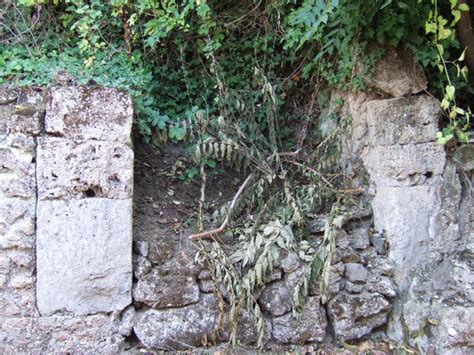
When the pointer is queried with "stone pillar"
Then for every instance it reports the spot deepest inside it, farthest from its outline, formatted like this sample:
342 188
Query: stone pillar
84 212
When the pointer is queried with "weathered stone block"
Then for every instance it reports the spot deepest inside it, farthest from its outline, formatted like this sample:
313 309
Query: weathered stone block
21 111
178 328
82 112
354 316
406 120
405 165
309 328
93 334
406 214
67 169
17 168
84 252
397 74
17 223
169 285
356 272
276 299
17 294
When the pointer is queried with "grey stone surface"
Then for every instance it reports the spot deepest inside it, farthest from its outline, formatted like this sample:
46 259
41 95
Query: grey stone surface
85 246
178 328
464 156
85 113
17 167
408 233
356 272
127 319
17 224
275 299
381 284
407 120
378 241
173 284
359 237
405 165
67 169
354 316
141 266
22 111
290 262
397 74
92 334
17 255
310 327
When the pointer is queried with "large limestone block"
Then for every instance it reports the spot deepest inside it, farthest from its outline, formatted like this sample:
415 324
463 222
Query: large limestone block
84 252
406 214
179 328
17 223
17 166
397 74
68 169
403 120
405 165
82 112
59 335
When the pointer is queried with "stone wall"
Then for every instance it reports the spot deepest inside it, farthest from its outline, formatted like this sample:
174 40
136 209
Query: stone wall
422 204
66 180
402 270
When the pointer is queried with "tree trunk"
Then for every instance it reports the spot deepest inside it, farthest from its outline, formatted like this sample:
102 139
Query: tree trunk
466 37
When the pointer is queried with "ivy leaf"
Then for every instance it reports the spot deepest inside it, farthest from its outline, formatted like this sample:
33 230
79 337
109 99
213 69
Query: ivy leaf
443 139
463 7
177 133
444 33
450 92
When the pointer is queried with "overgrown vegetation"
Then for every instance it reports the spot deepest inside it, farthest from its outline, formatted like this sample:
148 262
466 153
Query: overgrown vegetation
237 80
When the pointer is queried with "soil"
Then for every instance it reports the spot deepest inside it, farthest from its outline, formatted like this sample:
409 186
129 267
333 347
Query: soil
165 202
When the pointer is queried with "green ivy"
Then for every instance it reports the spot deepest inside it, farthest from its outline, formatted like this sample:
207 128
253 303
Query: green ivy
180 57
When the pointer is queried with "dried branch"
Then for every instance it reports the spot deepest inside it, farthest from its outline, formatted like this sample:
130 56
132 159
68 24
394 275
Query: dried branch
209 234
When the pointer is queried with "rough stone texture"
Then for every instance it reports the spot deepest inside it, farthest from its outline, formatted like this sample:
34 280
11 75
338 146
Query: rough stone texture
407 120
21 112
397 74
171 285
408 233
309 328
83 246
17 168
356 272
178 328
421 205
405 165
275 299
464 157
85 113
354 316
20 122
92 334
90 259
68 169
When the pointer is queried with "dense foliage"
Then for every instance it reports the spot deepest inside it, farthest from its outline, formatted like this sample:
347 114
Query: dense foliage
178 57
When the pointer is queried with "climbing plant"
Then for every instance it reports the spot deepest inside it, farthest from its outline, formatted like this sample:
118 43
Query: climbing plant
164 52
237 80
